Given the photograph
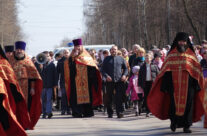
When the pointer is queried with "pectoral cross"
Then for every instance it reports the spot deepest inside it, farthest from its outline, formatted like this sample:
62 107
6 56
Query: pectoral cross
19 73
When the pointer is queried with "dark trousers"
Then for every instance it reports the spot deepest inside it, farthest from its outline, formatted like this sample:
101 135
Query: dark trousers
116 91
58 99
148 85
4 117
64 101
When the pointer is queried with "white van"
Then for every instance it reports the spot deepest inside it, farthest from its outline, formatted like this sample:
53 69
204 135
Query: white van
87 47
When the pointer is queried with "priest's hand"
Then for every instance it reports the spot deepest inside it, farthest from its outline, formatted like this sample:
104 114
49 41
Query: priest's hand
108 79
55 94
32 91
123 78
74 53
41 66
55 87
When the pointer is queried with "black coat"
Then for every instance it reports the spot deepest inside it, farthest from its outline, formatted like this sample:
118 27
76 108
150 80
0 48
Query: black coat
203 63
60 72
131 59
38 67
137 62
49 75
142 74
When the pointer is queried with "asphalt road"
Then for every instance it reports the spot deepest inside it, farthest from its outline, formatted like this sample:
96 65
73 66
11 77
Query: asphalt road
100 125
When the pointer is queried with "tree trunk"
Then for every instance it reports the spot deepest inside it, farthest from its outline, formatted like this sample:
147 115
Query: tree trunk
145 23
191 22
168 21
206 32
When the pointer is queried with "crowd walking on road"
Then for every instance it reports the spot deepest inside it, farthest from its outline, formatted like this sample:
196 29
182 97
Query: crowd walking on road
168 83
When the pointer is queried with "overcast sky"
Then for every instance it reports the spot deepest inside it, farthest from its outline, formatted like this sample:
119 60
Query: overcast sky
46 22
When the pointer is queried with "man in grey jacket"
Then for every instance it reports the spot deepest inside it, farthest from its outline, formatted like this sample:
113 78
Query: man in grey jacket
114 69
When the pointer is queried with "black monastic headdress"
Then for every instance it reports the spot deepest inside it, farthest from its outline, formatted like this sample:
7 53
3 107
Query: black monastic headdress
181 36
2 52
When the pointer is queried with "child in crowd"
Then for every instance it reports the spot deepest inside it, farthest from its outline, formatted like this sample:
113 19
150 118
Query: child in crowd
136 92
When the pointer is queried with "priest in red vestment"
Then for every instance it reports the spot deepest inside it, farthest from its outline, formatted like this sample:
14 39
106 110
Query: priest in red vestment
178 91
14 117
16 98
29 81
82 82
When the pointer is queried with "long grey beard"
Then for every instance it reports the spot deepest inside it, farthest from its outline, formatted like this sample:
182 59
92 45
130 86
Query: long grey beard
19 56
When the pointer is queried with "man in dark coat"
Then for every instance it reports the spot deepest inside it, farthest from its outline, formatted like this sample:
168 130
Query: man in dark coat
60 70
49 77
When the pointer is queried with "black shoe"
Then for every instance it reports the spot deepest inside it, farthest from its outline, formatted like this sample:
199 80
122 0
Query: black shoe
147 115
57 107
50 115
136 113
88 116
120 115
173 127
44 116
68 113
77 115
110 116
126 106
62 113
187 130
140 110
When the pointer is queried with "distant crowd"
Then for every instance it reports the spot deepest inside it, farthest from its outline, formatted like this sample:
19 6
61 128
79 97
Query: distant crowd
168 83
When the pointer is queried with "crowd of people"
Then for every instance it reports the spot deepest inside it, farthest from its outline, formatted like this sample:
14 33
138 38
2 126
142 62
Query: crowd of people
168 83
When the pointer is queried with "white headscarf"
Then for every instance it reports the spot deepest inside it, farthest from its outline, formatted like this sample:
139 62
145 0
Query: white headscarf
135 69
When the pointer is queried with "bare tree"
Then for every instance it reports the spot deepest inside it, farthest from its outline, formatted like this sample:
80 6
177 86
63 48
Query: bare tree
10 30
191 21
146 22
